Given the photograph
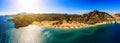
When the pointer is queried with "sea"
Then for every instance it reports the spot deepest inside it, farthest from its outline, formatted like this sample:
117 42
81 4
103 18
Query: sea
107 33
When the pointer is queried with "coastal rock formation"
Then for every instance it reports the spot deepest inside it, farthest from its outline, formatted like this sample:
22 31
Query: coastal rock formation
57 20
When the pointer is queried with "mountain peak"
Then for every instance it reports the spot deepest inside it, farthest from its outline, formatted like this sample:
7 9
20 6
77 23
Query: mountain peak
95 11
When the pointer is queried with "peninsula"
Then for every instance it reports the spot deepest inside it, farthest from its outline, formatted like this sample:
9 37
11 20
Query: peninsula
65 21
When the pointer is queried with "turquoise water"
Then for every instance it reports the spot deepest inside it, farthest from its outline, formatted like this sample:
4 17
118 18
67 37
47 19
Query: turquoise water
108 33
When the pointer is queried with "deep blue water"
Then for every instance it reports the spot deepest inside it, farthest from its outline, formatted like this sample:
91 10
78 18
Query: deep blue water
5 28
108 33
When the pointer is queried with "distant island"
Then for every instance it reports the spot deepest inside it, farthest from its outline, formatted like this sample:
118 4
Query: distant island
66 21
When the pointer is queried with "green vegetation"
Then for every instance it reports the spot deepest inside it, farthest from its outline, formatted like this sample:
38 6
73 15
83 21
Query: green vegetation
21 21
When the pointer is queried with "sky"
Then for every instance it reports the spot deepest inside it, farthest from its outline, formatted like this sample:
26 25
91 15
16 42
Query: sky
8 7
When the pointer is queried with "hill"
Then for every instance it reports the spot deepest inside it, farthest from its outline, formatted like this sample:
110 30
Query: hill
90 18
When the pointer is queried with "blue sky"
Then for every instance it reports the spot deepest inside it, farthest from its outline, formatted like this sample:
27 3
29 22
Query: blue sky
58 6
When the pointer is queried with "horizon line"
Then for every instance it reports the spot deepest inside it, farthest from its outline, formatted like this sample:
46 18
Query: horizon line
64 12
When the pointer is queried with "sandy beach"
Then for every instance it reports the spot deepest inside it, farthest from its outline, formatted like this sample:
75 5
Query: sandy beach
65 25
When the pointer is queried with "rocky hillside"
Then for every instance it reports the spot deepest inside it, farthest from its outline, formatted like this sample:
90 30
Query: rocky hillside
116 16
93 17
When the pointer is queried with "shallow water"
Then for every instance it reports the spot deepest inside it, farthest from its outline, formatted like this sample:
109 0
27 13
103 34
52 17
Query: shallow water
109 33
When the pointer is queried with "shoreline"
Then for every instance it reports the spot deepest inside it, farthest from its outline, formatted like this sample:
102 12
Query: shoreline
67 25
